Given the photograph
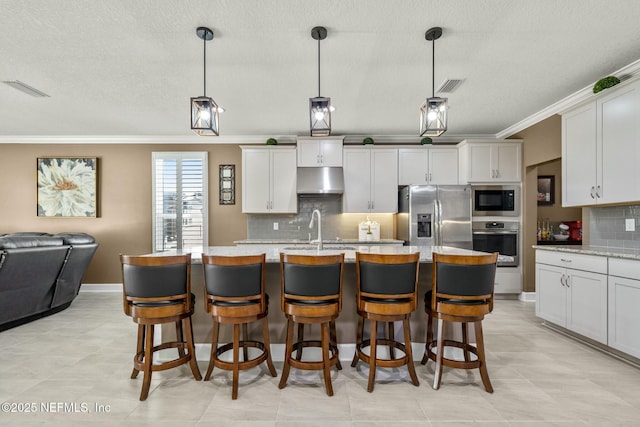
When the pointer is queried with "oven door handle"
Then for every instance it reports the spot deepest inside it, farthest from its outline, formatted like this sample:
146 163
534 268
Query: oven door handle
495 232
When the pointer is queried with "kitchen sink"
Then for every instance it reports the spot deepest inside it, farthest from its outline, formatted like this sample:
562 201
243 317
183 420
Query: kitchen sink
315 248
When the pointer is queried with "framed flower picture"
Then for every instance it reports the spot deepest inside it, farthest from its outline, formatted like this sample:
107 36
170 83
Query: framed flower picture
67 187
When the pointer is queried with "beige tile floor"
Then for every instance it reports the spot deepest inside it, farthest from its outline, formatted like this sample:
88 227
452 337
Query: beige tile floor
82 357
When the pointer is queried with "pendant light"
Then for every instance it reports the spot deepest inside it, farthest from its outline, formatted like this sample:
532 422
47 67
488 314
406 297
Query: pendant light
433 112
320 107
204 110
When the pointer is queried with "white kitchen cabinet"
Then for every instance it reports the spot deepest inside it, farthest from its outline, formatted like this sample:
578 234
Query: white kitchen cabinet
325 151
624 300
601 148
579 156
269 180
370 180
490 162
571 291
428 165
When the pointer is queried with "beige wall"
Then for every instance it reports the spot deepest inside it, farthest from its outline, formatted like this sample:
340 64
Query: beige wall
542 151
124 191
556 213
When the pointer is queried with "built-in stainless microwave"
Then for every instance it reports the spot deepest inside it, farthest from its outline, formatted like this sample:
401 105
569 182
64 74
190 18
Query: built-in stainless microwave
496 200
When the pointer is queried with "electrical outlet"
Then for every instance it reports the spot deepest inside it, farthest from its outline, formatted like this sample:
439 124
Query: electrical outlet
630 224
275 226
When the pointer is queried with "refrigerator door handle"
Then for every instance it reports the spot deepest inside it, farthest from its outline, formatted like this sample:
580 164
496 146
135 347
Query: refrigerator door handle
437 230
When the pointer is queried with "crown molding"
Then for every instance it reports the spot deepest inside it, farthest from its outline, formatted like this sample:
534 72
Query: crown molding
143 139
625 73
230 139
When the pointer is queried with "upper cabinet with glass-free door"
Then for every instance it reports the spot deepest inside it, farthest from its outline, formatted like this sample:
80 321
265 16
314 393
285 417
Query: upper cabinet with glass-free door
269 180
370 180
320 151
428 165
490 162
601 149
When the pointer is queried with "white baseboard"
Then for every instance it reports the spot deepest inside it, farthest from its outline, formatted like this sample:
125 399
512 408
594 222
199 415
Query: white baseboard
527 296
101 287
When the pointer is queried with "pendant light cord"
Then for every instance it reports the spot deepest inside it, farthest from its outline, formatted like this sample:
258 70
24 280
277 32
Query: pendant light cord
204 39
433 68
318 67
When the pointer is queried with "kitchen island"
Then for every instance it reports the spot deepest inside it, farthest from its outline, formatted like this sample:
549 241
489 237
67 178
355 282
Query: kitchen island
347 321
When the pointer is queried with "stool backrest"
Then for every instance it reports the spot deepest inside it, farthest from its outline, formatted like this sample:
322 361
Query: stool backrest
307 277
156 278
464 277
388 275
234 278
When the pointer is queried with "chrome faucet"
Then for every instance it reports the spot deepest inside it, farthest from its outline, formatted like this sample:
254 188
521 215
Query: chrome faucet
316 211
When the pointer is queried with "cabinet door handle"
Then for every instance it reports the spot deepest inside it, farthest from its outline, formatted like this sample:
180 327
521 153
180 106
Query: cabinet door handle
497 173
562 280
592 190
598 192
429 176
566 281
426 177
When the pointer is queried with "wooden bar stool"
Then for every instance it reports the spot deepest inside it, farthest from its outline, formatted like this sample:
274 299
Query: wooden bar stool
235 295
387 292
157 290
311 293
462 291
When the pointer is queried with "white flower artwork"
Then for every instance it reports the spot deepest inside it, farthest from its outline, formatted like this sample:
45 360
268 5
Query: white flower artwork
67 186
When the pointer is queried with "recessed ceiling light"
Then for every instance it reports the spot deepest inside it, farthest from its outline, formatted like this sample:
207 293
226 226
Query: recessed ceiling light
22 87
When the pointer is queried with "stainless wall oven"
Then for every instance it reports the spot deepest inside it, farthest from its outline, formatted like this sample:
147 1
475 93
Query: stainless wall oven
498 236
496 200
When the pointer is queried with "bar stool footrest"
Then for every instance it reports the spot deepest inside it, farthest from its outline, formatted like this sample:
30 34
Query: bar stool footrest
384 363
245 364
453 363
312 364
138 359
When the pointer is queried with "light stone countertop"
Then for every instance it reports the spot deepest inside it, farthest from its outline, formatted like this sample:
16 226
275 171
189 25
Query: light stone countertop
593 250
326 242
273 253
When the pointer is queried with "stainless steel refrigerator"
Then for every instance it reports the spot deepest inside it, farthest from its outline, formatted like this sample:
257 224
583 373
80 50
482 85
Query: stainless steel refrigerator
435 215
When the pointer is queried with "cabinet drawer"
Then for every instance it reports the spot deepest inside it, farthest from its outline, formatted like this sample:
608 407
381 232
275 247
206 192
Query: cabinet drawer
624 268
594 263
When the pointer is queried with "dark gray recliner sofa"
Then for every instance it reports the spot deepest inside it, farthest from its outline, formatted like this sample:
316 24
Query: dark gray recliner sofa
40 274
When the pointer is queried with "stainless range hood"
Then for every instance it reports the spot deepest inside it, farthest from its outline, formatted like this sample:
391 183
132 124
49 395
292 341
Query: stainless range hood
320 180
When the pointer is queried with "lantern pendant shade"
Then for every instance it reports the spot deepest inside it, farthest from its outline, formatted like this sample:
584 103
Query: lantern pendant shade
433 117
320 116
204 110
204 116
433 112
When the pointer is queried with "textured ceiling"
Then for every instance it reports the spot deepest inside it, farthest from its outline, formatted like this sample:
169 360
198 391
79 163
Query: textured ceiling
129 67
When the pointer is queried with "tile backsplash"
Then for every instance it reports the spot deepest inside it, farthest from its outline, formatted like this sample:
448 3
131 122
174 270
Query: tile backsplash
607 227
334 222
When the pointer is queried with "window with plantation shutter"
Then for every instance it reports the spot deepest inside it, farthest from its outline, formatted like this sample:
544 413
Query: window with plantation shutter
180 202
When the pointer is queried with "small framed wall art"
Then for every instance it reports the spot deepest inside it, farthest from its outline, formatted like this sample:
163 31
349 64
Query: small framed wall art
546 189
67 187
227 184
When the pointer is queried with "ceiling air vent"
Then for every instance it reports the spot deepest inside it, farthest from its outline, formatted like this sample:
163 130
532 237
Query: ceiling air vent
22 87
449 85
